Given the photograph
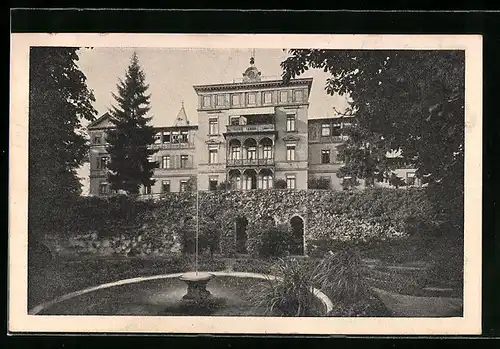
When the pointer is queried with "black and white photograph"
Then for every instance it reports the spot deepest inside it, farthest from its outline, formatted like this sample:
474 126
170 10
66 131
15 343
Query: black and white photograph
269 183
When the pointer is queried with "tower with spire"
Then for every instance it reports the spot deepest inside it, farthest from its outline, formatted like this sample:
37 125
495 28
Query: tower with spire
181 119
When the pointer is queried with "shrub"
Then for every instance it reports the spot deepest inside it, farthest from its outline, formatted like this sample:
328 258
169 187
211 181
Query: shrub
279 184
224 186
318 183
289 296
265 239
342 275
209 235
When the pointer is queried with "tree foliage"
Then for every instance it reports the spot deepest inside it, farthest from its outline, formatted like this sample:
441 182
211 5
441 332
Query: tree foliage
59 101
130 164
318 183
409 102
279 183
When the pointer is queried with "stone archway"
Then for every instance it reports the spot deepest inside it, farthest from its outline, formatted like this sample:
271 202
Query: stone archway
297 224
241 235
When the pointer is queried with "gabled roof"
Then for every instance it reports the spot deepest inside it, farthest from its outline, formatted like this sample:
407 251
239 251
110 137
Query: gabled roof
102 122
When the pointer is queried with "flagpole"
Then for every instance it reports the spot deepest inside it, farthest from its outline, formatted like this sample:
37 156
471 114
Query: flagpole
197 232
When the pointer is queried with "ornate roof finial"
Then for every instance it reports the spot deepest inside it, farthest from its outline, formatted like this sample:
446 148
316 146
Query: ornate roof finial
252 73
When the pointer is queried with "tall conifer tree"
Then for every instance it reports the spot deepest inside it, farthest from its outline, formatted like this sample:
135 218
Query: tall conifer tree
130 165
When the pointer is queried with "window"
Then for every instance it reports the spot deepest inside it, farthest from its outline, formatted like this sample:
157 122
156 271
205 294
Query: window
251 99
221 100
235 100
336 129
326 179
184 161
183 186
290 181
103 188
206 101
165 186
267 151
234 120
283 96
268 97
97 139
212 183
236 183
212 126
102 162
150 158
325 130
298 95
410 178
235 152
158 138
165 161
290 152
184 137
147 189
325 156
166 137
212 156
175 137
290 122
251 153
267 182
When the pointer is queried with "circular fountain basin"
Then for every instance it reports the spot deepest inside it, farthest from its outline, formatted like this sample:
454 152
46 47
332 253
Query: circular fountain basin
162 295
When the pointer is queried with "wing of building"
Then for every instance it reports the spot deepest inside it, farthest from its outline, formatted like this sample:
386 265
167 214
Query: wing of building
250 133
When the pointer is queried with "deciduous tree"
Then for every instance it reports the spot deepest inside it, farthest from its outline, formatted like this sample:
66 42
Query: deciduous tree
410 102
59 101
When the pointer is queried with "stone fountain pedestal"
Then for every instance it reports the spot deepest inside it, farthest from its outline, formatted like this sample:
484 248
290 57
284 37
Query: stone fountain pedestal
197 285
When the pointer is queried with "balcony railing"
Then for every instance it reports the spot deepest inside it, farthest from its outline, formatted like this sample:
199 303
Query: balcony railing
171 146
249 162
251 128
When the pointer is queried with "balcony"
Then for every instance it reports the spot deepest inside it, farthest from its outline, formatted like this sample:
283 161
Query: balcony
328 139
250 128
250 162
171 146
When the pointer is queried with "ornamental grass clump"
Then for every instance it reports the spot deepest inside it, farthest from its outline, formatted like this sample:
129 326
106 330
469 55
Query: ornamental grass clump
342 276
290 294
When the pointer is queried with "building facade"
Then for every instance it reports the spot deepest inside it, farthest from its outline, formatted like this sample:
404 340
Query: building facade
250 134
253 132
176 156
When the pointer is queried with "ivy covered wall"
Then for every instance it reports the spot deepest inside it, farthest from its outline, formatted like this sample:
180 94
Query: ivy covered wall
168 224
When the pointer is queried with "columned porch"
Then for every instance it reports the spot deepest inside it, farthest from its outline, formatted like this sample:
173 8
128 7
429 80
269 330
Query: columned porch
250 178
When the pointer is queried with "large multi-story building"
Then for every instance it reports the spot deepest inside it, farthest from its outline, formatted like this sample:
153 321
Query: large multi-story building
250 134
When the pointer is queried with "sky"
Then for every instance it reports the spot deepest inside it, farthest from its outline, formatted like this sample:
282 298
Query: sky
172 72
